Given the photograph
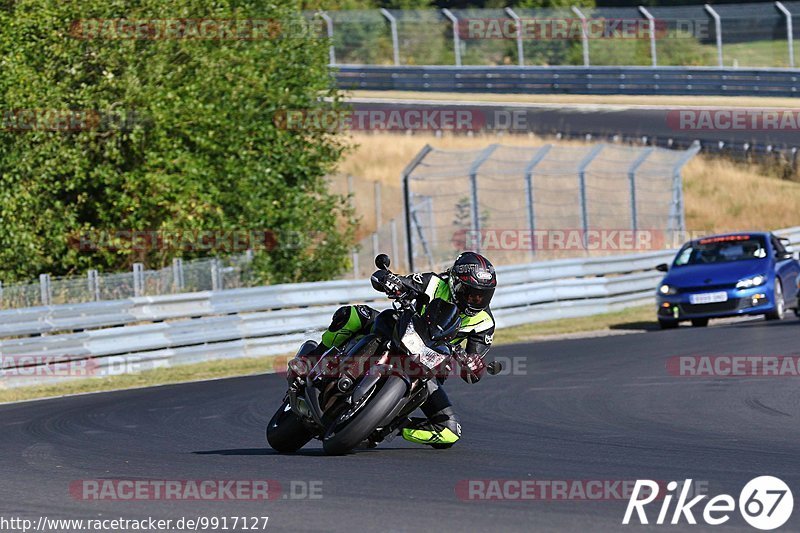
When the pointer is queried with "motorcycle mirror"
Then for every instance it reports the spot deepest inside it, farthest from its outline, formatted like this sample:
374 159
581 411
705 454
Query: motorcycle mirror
382 261
494 368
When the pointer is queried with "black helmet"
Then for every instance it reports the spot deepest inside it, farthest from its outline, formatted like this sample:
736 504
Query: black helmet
472 282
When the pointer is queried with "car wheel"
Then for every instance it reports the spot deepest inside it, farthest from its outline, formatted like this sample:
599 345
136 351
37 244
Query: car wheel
667 324
699 322
780 304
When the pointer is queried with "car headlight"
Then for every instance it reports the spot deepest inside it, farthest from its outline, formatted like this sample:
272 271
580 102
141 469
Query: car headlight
667 289
754 281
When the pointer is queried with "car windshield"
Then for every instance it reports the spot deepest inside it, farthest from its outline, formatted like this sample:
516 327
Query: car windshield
722 250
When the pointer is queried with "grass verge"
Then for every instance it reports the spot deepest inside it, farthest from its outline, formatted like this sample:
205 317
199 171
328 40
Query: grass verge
633 318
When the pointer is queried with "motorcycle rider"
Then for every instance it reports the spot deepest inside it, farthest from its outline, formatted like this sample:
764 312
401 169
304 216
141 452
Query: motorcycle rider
470 285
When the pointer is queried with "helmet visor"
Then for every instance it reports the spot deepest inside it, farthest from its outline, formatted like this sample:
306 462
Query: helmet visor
474 297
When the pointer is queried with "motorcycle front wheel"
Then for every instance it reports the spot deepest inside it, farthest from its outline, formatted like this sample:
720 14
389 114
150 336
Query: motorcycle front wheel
286 432
350 430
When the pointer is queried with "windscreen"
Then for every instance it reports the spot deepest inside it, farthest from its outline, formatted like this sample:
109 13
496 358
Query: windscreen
722 250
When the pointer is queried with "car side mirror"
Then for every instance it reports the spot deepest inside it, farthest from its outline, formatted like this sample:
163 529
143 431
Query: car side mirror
382 261
663 267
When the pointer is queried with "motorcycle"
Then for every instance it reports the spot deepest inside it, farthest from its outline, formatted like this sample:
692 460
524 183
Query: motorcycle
364 392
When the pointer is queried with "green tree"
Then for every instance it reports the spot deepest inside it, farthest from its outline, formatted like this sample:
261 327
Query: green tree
203 150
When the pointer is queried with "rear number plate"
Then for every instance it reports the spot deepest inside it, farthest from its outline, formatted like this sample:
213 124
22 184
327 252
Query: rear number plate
709 297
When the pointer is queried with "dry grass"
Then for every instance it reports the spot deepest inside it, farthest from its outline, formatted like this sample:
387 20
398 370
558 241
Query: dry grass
615 99
720 195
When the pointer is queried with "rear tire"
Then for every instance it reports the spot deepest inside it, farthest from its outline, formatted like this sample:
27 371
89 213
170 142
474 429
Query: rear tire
667 324
699 322
286 433
780 304
343 437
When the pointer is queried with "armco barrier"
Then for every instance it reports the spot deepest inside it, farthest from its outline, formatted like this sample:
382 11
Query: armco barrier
187 328
573 80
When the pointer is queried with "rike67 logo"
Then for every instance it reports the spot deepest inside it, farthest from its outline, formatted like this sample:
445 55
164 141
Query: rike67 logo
765 503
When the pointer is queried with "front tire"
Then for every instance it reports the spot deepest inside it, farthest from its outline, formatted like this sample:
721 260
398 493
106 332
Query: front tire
667 324
286 433
342 437
780 304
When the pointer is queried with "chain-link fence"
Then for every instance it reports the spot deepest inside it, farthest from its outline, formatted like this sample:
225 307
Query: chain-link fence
746 35
230 272
379 208
519 204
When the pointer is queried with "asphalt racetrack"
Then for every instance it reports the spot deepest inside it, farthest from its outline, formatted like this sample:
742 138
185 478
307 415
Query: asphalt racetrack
658 123
581 409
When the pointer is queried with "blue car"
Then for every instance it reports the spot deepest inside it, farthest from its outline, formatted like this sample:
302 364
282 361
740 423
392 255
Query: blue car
728 275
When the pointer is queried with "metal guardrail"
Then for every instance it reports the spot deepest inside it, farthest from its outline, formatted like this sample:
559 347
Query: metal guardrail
212 325
573 80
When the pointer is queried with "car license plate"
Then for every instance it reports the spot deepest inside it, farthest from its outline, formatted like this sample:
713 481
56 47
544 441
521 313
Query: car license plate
709 297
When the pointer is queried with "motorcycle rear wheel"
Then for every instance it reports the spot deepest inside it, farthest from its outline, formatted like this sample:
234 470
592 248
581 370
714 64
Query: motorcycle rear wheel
343 436
286 433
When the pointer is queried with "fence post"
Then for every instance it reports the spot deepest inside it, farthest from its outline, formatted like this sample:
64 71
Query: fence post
355 264
456 36
789 31
638 162
377 199
216 274
473 183
1 294
329 25
405 177
718 24
582 186
520 48
535 160
375 244
584 35
395 41
679 216
652 21
395 248
138 279
45 291
177 273
94 285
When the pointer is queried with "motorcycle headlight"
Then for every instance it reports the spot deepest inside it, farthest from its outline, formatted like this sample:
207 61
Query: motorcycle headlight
415 345
412 341
754 281
667 289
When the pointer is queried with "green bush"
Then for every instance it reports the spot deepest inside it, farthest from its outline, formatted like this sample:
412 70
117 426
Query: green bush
202 150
